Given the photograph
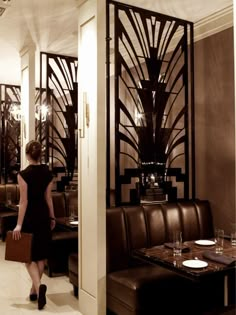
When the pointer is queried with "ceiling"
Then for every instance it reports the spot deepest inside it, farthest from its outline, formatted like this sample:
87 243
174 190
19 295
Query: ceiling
52 26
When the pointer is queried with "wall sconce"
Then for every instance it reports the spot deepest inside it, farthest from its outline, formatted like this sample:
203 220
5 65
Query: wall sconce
139 118
42 111
15 111
85 116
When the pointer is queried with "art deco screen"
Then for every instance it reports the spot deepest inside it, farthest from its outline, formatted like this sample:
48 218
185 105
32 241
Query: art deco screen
150 105
58 133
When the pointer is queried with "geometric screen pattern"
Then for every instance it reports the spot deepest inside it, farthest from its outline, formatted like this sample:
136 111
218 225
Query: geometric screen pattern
9 134
59 132
10 131
153 101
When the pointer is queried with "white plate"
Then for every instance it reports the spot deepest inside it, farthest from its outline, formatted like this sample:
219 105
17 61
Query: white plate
195 263
74 222
205 242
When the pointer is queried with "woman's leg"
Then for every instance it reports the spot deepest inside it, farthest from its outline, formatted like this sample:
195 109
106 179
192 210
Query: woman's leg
34 273
41 266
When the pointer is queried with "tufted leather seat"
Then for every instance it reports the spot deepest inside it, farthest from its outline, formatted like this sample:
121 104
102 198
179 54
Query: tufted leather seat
142 288
12 192
2 194
9 191
59 204
134 288
8 217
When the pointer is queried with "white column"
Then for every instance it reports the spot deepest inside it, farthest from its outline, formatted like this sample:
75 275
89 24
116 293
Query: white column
92 157
27 55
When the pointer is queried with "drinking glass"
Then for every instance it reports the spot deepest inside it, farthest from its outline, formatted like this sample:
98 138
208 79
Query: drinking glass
177 243
219 239
9 202
233 234
72 213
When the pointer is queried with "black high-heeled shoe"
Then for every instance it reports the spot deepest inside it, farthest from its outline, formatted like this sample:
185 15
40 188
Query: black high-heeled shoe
33 297
42 296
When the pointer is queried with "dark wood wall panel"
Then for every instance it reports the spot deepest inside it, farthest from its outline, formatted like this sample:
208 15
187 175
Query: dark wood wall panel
215 125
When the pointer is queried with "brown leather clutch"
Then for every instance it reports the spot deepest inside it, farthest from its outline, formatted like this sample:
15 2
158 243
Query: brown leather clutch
19 250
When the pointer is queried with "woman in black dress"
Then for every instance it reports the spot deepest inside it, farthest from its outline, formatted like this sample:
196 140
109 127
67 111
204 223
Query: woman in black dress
36 216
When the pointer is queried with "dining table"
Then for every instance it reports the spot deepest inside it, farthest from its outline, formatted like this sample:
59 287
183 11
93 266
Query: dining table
197 261
67 223
11 206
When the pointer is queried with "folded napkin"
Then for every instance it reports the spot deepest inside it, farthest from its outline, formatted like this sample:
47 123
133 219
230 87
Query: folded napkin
223 259
185 248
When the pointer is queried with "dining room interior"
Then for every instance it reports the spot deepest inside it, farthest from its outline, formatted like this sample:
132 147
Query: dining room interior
134 105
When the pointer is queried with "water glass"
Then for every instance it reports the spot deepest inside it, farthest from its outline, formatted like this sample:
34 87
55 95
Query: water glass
219 239
177 243
233 234
233 239
72 213
9 201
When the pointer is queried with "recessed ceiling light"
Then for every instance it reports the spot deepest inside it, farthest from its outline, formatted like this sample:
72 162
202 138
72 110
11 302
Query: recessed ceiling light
6 3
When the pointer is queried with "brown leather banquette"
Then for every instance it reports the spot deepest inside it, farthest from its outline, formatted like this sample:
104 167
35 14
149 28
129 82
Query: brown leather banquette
134 288
9 193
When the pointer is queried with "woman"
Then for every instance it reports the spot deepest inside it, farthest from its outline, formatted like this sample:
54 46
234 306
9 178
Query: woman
36 216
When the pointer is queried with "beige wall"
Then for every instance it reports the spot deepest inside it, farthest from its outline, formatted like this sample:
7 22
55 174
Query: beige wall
214 121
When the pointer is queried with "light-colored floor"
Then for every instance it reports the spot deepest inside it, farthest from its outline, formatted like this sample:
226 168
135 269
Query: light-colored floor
14 290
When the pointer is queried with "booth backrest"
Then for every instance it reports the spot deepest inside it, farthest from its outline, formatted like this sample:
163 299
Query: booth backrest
9 192
135 227
116 240
59 204
2 193
62 201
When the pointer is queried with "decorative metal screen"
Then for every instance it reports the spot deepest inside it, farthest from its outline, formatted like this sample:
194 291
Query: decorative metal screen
10 130
9 134
58 76
150 105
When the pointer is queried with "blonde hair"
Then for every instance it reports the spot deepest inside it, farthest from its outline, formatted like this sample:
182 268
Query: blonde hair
34 150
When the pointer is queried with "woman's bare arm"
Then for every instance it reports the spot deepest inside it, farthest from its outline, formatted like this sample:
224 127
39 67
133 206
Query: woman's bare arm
22 206
48 198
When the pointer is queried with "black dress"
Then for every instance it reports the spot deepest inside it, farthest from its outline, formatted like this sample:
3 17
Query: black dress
37 220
